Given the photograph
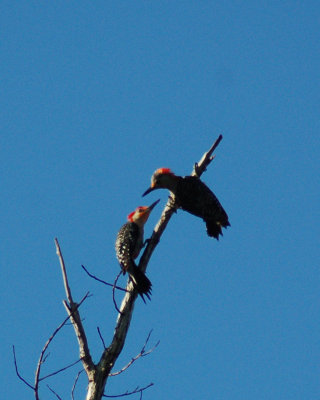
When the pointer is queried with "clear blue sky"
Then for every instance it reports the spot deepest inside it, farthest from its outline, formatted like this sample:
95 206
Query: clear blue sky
94 97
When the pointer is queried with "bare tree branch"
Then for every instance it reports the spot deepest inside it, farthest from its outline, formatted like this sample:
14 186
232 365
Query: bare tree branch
43 358
102 281
136 390
110 354
75 384
64 272
206 159
73 312
42 355
59 370
17 372
142 353
101 338
57 396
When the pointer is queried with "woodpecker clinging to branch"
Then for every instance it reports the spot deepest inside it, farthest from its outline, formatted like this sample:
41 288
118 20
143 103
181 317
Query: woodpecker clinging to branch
128 245
194 196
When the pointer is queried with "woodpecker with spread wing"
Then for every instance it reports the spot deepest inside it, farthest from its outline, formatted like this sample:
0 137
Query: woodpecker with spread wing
128 246
193 196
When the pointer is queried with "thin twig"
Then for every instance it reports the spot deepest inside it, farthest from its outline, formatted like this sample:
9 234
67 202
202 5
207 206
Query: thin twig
101 338
58 397
142 353
102 281
17 372
136 390
113 295
75 384
59 370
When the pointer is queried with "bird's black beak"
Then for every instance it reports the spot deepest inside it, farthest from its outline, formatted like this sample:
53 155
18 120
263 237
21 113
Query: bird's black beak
148 191
154 204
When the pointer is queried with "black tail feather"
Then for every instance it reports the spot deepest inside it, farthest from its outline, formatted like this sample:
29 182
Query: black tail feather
141 283
214 228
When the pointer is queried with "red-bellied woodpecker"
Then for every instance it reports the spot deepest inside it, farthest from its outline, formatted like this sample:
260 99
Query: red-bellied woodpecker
194 196
128 245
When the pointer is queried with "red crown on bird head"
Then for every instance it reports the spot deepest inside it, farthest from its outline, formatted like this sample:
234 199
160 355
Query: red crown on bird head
164 171
140 209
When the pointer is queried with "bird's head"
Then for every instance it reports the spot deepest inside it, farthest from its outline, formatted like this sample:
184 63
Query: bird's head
162 178
141 214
